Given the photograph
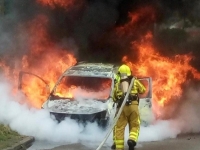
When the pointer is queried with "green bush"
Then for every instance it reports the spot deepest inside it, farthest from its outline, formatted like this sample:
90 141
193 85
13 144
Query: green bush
6 133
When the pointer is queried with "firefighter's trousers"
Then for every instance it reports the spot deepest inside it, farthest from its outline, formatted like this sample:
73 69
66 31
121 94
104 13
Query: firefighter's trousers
130 115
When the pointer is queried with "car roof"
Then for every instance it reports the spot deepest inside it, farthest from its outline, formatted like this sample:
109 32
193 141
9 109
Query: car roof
92 69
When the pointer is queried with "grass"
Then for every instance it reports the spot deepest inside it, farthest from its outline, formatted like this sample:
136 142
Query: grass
8 137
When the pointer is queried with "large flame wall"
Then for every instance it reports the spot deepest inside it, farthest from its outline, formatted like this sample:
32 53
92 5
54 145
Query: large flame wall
46 37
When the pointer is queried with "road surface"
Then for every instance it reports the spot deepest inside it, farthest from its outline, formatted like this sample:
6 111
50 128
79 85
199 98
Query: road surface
183 142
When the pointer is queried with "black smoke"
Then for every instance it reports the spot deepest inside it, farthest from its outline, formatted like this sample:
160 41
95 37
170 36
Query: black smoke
184 39
92 26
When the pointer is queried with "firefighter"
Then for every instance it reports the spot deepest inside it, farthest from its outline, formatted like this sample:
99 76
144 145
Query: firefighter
130 112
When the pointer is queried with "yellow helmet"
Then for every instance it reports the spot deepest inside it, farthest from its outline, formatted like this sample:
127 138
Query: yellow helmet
124 69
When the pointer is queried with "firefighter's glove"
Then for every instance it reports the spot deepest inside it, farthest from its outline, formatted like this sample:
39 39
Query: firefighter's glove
119 97
120 101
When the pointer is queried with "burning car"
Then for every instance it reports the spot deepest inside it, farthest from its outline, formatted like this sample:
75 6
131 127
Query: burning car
84 92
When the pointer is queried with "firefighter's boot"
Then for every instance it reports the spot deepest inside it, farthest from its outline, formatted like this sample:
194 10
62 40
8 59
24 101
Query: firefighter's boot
113 146
131 144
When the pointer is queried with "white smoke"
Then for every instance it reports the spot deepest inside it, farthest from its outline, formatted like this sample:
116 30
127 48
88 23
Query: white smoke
161 130
38 123
185 120
187 117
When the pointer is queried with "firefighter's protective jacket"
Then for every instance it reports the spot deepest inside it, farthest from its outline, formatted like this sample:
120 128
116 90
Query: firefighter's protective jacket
137 88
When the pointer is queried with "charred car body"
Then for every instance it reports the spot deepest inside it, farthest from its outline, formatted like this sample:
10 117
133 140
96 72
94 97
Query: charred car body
84 92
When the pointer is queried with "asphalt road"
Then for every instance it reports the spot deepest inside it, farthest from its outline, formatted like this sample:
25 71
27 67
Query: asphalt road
183 142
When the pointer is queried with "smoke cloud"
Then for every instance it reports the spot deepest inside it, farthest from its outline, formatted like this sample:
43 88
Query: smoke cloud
91 26
187 117
38 123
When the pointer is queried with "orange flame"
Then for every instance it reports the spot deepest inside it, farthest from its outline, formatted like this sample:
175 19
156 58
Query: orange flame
84 89
54 3
45 59
138 19
168 74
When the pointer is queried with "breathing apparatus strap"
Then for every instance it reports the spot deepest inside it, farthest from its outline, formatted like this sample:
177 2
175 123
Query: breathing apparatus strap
131 97
126 79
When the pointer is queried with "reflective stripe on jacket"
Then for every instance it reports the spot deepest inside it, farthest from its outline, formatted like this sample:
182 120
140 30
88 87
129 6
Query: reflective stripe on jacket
137 88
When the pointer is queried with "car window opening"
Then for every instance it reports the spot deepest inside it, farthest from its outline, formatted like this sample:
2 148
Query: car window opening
73 87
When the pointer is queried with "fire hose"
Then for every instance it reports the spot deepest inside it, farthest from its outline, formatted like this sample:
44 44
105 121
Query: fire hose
117 116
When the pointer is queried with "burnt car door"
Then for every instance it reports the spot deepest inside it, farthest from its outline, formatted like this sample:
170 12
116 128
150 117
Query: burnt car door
145 103
34 87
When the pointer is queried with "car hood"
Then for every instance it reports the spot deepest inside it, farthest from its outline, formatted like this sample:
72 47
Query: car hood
68 106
